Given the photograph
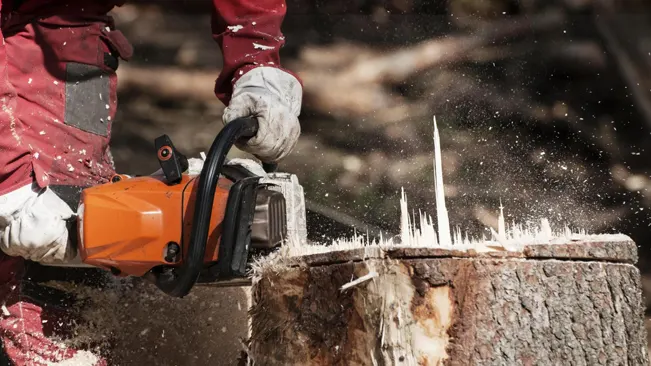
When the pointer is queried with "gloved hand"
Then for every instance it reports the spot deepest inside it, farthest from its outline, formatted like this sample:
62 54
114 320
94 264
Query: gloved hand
274 97
33 225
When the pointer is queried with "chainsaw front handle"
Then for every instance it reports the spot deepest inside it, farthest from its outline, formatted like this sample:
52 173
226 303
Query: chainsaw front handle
183 279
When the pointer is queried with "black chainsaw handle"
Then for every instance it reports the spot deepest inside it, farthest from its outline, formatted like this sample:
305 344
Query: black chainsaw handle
238 130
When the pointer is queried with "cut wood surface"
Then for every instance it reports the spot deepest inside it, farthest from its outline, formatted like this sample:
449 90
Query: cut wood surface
559 304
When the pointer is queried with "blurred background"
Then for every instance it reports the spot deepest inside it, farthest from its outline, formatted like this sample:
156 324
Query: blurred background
544 105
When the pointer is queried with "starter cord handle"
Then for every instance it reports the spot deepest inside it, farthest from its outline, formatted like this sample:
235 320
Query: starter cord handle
238 130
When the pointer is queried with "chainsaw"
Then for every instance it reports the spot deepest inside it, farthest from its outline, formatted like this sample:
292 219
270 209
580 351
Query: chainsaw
182 227
177 229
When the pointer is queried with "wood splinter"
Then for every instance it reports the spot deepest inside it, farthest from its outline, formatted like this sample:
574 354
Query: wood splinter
356 282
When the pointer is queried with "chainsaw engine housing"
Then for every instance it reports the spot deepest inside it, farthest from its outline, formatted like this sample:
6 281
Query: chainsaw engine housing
133 225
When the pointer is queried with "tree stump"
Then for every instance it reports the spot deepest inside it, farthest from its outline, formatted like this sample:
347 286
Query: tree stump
578 303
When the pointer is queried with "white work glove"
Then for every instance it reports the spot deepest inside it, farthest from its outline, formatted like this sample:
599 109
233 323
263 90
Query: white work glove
195 165
250 165
33 225
274 97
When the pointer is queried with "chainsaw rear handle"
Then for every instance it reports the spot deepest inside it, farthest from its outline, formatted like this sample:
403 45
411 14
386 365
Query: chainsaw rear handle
183 280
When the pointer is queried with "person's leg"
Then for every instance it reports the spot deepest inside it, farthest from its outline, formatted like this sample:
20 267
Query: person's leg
35 323
14 172
57 103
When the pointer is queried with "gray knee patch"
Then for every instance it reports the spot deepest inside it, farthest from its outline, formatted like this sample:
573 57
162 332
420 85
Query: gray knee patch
87 98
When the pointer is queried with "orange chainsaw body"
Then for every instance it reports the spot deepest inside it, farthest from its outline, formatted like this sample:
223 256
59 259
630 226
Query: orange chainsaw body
178 229
127 226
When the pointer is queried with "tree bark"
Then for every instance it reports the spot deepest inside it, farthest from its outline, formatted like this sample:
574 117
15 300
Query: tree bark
578 303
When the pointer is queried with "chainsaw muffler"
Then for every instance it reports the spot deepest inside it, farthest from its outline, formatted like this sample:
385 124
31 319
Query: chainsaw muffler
269 226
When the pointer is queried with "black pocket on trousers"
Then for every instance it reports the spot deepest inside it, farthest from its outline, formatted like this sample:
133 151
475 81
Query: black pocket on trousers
88 91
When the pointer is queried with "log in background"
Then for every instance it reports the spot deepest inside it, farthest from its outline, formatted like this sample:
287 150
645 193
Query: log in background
433 307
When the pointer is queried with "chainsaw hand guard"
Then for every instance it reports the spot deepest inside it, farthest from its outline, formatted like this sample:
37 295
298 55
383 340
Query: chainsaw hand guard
179 282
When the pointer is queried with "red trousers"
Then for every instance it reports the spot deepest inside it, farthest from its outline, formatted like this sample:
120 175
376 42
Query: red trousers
57 103
35 320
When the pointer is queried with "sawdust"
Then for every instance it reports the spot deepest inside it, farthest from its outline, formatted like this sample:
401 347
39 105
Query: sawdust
12 119
420 231
81 358
133 323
